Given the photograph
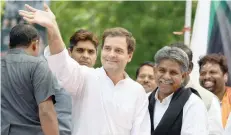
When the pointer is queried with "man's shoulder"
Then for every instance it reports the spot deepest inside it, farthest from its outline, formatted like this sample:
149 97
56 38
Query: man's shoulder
34 62
134 83
93 72
135 86
22 58
33 59
23 61
194 100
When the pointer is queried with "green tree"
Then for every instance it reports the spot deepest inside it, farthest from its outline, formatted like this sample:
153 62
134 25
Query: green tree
151 22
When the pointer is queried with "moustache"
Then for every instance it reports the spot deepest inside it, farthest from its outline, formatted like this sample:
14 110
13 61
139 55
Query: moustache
166 81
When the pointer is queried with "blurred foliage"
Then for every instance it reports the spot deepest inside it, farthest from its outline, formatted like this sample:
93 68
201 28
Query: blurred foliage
2 8
151 22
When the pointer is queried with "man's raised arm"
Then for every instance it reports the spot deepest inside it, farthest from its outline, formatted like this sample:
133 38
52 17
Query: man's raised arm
69 73
46 19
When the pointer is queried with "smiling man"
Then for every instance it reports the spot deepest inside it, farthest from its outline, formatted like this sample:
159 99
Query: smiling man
173 108
146 77
210 100
83 47
106 100
213 77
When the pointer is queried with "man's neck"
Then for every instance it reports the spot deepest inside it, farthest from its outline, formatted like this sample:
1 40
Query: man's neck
162 96
28 51
115 77
220 94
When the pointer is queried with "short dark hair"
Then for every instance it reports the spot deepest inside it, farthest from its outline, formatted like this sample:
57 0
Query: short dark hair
23 35
187 50
118 31
83 35
147 63
219 59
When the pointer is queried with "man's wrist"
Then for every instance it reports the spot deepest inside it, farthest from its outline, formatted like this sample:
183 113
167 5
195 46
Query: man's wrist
52 26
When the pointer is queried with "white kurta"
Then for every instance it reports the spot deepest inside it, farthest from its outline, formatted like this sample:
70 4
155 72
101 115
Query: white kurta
195 117
214 114
99 106
213 108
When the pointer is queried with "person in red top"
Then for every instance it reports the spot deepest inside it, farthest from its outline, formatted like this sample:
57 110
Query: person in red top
213 77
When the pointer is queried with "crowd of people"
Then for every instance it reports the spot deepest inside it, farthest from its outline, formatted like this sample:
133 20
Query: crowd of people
62 94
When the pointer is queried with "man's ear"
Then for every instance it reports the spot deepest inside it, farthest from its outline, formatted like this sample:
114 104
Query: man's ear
184 75
34 45
184 78
130 55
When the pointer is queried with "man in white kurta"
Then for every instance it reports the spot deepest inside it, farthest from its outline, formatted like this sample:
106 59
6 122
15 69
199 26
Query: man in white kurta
105 100
172 111
100 107
210 100
213 108
193 109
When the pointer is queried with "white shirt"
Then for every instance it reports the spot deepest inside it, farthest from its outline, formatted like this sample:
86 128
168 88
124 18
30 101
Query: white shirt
214 115
99 106
149 93
213 108
228 126
195 117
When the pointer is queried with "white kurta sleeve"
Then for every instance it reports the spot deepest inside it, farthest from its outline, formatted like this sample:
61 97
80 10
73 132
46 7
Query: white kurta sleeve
142 124
195 117
214 115
68 72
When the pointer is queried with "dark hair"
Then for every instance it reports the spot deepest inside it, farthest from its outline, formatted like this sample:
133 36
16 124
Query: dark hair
83 35
187 50
214 58
147 63
113 32
23 35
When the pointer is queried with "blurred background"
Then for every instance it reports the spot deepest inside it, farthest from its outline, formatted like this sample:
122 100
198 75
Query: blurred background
152 23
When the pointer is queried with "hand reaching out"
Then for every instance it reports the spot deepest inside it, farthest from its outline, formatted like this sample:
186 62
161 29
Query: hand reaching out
44 18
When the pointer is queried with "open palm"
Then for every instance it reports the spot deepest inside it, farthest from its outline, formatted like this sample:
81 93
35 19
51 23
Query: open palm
44 18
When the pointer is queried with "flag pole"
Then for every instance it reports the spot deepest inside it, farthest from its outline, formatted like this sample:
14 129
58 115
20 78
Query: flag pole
187 27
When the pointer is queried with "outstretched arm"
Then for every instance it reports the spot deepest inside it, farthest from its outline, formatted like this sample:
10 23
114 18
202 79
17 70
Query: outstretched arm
69 73
46 19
